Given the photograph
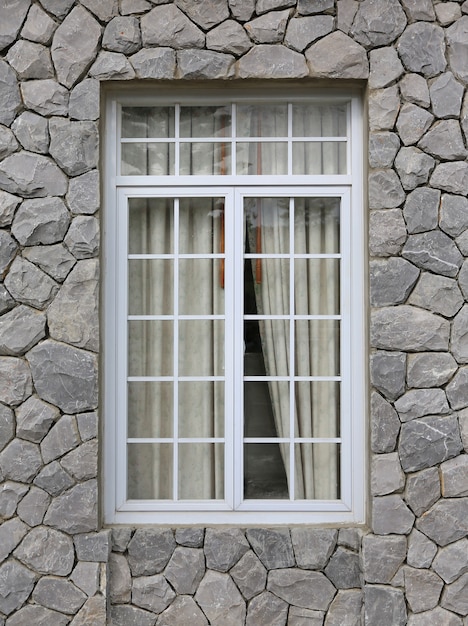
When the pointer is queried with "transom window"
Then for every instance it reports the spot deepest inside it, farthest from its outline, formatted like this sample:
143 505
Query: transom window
234 329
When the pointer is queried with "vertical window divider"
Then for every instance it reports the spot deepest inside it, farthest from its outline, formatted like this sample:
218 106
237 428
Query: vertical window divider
233 138
292 373
177 139
175 434
290 134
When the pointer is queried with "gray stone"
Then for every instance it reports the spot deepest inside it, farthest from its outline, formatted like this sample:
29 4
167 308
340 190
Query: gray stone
413 88
30 60
428 441
228 37
263 6
11 494
453 214
183 610
463 278
81 463
266 609
384 606
87 425
412 123
385 190
273 546
419 402
302 588
120 580
47 551
345 610
93 547
8 145
454 477
8 249
423 589
383 147
15 380
304 617
422 490
167 26
59 595
269 28
313 546
391 281
446 95
223 549
84 103
16 583
390 515
310 7
419 9
204 64
387 371
463 118
382 557
75 45
8 206
127 615
122 34
105 10
20 461
249 575
430 369
421 550
457 389
154 63
463 422
269 61
6 301
452 561
378 22
455 596
74 145
83 196
54 479
447 12
190 537
62 438
59 8
37 615
73 315
434 251
385 425
32 131
149 551
111 66
220 600
38 26
385 67
457 38
75 511
444 140
133 7
11 533
422 49
386 475
82 238
32 175
54 260
451 177
12 17
413 166
438 294
408 328
94 611
346 11
206 14
459 337
34 419
421 210
343 569
45 97
33 506
10 100
186 568
435 617
337 56
387 232
303 31
242 10
120 538
384 105
57 368
41 221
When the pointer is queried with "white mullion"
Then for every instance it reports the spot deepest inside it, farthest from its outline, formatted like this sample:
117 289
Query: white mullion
290 132
230 365
176 140
233 138
292 352
238 256
175 445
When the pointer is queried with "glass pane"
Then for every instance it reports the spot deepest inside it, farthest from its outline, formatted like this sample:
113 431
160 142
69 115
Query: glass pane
150 226
201 409
150 287
201 471
150 348
156 122
150 409
271 286
205 121
149 471
327 157
317 225
201 225
201 347
255 158
262 120
318 467
266 408
147 159
275 343
319 120
317 347
207 159
317 409
200 288
317 286
267 221
264 471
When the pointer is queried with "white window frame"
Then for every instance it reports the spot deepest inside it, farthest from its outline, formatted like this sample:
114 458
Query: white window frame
352 505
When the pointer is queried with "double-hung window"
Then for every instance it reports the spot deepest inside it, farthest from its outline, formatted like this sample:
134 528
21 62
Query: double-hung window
234 316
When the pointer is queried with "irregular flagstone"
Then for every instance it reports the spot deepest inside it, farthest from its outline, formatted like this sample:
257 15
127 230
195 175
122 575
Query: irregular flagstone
343 569
413 166
412 123
387 232
75 511
13 14
270 61
301 32
385 190
111 66
345 610
62 438
228 37
74 145
390 515
383 147
382 556
32 131
183 610
206 14
459 338
384 105
16 584
104 10
190 537
385 67
47 551
272 546
6 301
41 221
302 588
39 26
75 45
313 547
414 88
268 28
59 595
124 615
33 506
422 490
454 214
454 477
152 593
421 550
54 479
266 610
8 249
438 294
446 95
120 581
444 141
94 547
83 195
149 551
220 600
154 63
434 251
54 260
388 371
419 402
422 49
457 39
20 461
122 34
455 596
8 145
7 429
20 330
186 569
82 238
446 521
378 22
11 533
59 8
32 176
385 425
84 103
421 210
166 25
249 575
10 493
428 441
37 615
46 97
242 9
10 100
430 369
15 380
451 177
82 463
391 281
457 389
422 588
386 474
94 611
337 56
384 606
224 548
204 64
435 617
452 561
408 328
263 6
30 60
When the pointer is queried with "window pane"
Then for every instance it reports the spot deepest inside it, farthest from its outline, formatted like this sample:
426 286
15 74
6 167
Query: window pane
264 471
201 471
317 409
150 287
262 120
256 158
147 159
318 470
319 120
319 158
271 286
201 409
201 347
275 342
317 347
150 226
156 122
266 408
206 158
267 222
317 225
201 225
205 121
150 348
200 291
317 286
149 471
150 409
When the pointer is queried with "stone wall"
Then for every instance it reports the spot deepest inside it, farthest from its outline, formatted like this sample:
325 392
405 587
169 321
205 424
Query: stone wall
410 564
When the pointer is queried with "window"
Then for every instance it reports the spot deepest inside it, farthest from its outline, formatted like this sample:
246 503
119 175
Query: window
234 334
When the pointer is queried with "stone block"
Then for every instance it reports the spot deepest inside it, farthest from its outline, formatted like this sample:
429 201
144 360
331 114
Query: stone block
302 588
93 547
454 477
313 547
422 588
46 97
94 611
387 232
186 569
435 617
430 369
182 611
190 537
385 425
302 31
74 145
311 7
345 610
37 615
378 24
428 441
438 294
54 479
111 66
249 575
20 461
422 49
414 88
452 561
413 166
120 580
387 371
204 64
220 600
8 204
444 141
75 511
82 238
33 506
270 61
383 147
86 577
82 462
32 131
54 260
20 330
391 281
58 595
337 56
47 551
420 402
346 11
451 177
11 533
62 438
384 106
10 495
344 569
390 515
166 25
453 214
32 176
16 584
457 48
124 615
350 538
446 521
263 6
269 27
384 606
419 10
457 389
421 550
272 546
41 221
385 190
104 10
15 381
122 34
152 593
422 490
84 103
455 596
30 60
385 67
10 98
412 123
434 251
446 95
242 10
13 15
39 26
266 610
149 551
386 474
224 548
